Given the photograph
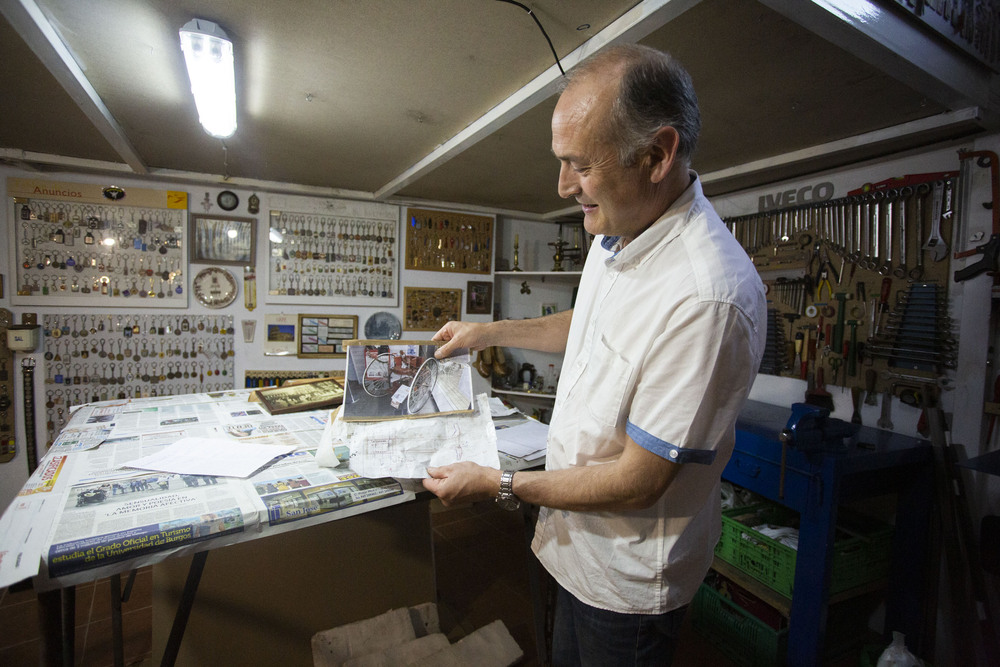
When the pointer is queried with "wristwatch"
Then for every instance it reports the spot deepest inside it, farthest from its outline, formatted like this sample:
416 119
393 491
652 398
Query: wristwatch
506 498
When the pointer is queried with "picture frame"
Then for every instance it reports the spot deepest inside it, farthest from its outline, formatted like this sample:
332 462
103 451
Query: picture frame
302 396
479 297
549 309
402 379
323 336
217 239
430 308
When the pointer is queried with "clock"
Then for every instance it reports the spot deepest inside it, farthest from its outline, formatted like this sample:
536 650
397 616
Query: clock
228 200
214 287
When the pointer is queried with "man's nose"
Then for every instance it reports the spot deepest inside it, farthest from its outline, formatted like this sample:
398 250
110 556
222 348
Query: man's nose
569 185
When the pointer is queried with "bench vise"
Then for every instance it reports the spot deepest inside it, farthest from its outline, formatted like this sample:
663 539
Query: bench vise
811 429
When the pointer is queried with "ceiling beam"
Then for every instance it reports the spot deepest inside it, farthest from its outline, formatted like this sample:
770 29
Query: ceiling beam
41 37
898 46
869 144
632 26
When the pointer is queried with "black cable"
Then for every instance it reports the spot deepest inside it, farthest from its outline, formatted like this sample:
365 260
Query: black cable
544 34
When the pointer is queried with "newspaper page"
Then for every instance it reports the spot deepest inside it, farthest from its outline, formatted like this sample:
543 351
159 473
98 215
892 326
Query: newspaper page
84 512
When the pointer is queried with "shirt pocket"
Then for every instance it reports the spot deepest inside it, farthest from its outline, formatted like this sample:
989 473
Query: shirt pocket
605 384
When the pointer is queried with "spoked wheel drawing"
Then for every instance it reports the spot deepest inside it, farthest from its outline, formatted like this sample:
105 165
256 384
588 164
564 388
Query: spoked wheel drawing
377 381
422 386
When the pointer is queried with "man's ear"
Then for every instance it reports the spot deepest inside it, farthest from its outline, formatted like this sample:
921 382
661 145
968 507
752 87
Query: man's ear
662 153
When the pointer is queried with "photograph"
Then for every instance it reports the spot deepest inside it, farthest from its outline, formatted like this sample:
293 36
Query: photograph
323 336
222 240
305 395
393 379
479 297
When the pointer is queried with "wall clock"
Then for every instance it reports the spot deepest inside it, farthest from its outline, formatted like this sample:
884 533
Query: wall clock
214 287
228 200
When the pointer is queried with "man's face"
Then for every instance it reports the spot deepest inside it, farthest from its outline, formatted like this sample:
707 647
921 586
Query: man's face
616 200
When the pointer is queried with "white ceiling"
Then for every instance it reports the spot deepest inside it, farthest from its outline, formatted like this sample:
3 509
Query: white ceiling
449 100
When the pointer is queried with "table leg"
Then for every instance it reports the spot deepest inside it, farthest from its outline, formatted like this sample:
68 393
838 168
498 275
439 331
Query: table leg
184 609
57 618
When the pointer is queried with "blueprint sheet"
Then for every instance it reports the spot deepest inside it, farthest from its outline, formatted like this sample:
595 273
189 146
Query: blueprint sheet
405 448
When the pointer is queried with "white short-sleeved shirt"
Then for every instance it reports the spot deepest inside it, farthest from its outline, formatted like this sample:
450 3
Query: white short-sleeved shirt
666 339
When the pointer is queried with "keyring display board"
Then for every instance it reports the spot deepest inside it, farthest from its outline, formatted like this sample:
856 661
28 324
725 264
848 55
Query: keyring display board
448 241
78 244
430 308
333 252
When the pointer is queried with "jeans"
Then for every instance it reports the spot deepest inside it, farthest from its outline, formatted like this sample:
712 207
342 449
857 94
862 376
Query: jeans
590 637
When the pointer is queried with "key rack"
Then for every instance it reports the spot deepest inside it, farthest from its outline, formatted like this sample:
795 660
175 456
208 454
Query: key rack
91 358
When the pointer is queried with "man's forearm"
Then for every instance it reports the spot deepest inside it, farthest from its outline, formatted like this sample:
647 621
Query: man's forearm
545 334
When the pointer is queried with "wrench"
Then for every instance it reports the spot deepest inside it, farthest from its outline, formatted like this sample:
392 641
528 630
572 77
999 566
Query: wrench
900 271
886 267
917 272
936 244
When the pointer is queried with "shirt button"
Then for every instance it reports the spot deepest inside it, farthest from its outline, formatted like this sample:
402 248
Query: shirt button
673 453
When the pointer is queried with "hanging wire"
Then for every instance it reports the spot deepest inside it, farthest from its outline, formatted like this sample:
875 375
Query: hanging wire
544 34
225 161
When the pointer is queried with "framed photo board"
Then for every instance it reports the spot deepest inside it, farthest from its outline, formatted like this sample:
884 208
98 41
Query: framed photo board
299 397
217 239
323 336
400 379
429 308
479 297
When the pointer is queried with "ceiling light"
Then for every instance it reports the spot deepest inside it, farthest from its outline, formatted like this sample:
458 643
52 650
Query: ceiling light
208 54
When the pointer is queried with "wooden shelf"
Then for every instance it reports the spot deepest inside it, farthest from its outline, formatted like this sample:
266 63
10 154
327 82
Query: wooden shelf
538 274
526 394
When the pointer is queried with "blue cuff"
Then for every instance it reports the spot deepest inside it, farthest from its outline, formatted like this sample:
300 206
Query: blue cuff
666 450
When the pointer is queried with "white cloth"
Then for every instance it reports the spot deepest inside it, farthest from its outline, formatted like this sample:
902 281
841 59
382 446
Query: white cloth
665 342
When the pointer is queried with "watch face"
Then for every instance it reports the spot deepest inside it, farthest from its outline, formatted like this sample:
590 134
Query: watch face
509 504
214 287
228 200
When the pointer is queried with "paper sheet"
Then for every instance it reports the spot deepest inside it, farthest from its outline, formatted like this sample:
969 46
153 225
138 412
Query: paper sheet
526 440
210 456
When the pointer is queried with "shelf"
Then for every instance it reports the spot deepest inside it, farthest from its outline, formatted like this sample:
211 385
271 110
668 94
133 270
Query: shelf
537 274
526 394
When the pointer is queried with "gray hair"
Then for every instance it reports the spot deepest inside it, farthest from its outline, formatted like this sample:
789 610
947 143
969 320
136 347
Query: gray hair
655 91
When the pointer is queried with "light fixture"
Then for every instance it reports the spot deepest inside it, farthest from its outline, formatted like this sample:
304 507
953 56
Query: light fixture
208 54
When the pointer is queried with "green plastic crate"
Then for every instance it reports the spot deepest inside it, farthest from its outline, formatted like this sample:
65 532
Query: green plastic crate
736 632
861 548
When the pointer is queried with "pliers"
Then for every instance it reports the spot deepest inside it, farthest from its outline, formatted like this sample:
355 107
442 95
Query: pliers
822 276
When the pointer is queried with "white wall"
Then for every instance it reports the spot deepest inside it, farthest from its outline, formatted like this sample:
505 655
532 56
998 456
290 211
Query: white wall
248 356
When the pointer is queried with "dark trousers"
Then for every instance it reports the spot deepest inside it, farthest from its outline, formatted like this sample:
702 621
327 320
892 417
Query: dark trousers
590 637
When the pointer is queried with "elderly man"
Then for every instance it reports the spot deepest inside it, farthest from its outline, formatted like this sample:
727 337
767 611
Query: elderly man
661 349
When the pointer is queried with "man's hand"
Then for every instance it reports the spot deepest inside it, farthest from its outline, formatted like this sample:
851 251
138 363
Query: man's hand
463 482
461 334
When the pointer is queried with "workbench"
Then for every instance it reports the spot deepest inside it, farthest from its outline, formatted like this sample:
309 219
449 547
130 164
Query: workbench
814 476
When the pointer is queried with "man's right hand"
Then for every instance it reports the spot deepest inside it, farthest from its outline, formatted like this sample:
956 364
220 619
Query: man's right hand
461 334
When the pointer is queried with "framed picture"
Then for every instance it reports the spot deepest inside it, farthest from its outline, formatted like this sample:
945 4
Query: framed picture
215 239
429 308
400 379
299 397
323 336
479 298
549 309
280 334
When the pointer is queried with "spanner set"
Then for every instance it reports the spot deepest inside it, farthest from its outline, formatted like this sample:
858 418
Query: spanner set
857 287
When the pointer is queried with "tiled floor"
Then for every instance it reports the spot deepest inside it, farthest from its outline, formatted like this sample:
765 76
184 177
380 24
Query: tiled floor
482 575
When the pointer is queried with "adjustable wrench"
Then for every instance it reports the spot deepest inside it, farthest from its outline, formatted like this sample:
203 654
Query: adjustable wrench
936 244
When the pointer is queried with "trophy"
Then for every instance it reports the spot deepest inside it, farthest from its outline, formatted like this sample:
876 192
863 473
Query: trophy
515 267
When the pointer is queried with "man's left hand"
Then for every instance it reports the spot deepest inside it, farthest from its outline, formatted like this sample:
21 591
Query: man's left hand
463 482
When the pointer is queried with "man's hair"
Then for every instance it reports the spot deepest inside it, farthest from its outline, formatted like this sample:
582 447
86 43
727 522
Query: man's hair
655 91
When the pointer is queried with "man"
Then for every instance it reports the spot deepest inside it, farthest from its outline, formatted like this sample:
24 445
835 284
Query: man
660 353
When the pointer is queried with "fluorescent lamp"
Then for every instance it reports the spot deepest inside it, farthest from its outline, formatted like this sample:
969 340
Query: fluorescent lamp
208 54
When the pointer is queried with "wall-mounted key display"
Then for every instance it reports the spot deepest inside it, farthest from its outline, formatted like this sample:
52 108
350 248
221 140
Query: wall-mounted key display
857 288
347 259
73 246
90 358
448 241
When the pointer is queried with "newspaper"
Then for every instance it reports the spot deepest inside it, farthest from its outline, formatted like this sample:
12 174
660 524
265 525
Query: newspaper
406 448
84 514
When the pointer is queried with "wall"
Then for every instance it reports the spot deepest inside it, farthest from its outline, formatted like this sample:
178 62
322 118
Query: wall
247 355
